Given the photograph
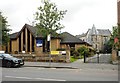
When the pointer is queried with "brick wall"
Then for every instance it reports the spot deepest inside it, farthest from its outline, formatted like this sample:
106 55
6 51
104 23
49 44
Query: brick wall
55 44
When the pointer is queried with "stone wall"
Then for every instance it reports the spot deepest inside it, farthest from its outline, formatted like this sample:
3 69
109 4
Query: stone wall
42 58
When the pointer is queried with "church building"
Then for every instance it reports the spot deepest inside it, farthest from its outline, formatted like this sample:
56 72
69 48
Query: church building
27 40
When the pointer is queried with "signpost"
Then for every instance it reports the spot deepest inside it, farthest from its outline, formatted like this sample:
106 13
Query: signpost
48 48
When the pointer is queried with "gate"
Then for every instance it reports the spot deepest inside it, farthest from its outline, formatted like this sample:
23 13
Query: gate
99 58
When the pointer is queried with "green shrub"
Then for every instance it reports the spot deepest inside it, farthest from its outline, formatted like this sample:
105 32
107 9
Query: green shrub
75 54
71 51
83 50
72 59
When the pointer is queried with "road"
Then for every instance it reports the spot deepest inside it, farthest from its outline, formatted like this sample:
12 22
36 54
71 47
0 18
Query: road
58 74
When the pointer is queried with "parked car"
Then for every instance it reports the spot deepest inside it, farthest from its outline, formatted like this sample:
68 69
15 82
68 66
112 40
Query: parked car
7 60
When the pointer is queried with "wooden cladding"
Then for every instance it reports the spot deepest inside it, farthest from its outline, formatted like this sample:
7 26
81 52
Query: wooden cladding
24 42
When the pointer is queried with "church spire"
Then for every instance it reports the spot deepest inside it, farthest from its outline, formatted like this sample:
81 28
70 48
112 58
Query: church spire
94 31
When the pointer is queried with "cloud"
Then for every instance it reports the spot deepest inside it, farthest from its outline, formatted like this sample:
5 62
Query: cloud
81 15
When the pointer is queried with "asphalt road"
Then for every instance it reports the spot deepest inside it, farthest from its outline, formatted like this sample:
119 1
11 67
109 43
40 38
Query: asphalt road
60 74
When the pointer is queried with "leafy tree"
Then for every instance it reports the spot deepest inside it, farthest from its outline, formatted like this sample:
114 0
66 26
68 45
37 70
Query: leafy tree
119 34
48 18
110 44
4 38
114 35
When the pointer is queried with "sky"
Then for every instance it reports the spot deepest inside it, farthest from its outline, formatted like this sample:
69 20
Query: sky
80 16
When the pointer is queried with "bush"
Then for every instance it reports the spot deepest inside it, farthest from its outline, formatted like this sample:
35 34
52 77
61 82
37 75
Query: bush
75 54
72 59
71 51
83 50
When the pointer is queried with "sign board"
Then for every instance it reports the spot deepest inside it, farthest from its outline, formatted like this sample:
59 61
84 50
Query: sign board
58 52
54 52
23 51
2 51
39 42
49 37
62 52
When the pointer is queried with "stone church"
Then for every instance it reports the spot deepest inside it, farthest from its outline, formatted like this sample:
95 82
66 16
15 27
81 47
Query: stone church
96 37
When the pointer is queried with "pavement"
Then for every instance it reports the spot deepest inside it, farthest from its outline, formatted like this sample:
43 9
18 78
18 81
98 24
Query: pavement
79 64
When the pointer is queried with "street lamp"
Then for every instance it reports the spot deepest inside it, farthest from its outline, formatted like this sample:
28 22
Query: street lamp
97 55
84 57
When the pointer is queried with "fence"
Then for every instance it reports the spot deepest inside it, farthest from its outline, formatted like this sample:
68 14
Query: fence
102 58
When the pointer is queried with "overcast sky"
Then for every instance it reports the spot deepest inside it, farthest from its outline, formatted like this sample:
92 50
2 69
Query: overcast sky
80 16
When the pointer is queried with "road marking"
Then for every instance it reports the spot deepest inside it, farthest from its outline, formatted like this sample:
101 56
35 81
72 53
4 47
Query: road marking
46 68
18 77
35 78
50 79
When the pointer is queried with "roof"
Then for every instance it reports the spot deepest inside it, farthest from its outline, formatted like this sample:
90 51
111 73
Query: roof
68 38
32 29
14 35
104 32
82 35
65 36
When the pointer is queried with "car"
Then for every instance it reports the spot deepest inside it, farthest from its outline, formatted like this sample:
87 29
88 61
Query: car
7 60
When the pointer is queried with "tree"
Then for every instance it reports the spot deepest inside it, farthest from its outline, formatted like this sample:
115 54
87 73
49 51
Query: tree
108 46
4 30
48 18
119 34
111 43
115 36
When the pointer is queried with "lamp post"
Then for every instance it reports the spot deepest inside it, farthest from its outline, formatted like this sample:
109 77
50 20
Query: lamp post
97 55
84 57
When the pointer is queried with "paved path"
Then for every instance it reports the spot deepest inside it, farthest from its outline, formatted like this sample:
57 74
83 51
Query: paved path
78 64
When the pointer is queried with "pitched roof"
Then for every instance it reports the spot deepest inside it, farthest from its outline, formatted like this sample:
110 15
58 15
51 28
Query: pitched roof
13 35
68 38
32 29
104 32
82 35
